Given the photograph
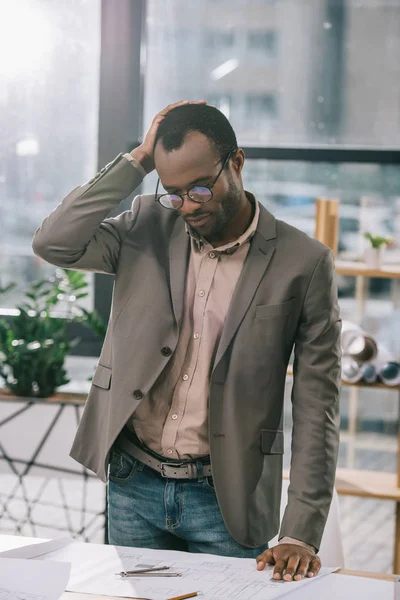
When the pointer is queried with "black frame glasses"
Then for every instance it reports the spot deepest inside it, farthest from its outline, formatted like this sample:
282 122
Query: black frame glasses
198 193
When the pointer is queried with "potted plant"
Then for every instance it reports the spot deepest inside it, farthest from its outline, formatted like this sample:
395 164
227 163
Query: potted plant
374 252
34 344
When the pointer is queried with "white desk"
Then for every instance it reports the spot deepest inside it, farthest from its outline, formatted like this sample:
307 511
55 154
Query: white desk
344 584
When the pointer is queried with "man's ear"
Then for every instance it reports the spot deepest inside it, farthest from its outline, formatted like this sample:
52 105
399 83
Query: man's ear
237 161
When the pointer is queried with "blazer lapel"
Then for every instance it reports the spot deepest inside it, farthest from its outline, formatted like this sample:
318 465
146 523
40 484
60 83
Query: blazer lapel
178 265
262 248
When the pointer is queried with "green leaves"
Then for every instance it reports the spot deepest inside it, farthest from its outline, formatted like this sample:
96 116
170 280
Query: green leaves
95 322
377 241
34 344
6 289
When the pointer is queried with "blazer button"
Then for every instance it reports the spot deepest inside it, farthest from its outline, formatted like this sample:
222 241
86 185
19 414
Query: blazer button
138 394
166 351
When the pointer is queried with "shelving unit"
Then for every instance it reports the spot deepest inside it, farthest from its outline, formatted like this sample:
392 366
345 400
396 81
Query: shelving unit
26 473
361 483
359 269
360 384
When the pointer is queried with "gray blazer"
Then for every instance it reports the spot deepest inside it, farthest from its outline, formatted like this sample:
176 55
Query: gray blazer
286 297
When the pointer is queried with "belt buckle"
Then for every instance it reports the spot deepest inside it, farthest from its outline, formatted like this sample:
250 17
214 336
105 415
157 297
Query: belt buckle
168 464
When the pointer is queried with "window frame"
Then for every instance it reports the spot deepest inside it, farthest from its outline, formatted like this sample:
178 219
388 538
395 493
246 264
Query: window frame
123 40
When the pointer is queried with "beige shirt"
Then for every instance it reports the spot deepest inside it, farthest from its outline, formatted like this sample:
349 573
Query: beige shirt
172 419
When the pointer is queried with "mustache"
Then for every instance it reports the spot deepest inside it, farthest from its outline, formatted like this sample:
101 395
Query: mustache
196 217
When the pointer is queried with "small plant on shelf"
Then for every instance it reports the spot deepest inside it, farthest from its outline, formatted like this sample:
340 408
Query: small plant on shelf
34 342
374 253
377 241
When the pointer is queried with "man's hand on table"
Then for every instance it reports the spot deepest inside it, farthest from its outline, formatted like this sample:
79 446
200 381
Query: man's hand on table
292 562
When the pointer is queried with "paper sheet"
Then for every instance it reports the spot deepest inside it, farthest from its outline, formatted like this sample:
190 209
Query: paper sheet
94 569
22 579
37 549
346 587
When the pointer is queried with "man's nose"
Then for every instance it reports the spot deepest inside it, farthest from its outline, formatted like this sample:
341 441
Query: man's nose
189 207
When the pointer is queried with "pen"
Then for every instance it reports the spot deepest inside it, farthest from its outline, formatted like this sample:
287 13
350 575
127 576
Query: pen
151 574
149 570
191 595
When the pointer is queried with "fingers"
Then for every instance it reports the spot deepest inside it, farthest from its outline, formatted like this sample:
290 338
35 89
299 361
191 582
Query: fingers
146 149
302 568
263 559
148 142
292 562
280 565
170 107
291 567
314 568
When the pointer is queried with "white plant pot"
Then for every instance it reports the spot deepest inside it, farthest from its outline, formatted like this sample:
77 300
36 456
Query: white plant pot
373 257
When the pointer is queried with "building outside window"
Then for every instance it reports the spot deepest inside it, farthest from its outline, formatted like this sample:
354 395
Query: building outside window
329 84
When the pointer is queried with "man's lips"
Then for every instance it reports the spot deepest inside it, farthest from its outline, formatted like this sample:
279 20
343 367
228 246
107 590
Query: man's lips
198 220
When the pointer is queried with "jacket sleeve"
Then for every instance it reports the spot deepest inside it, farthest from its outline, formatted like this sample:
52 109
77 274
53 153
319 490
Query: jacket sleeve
77 234
315 408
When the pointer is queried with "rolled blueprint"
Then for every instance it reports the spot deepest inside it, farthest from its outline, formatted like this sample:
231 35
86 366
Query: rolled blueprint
357 343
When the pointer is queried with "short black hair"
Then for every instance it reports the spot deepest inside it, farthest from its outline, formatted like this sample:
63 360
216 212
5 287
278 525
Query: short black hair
204 118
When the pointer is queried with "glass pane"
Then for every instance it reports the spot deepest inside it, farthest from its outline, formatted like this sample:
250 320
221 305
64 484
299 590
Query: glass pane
284 72
49 72
368 202
368 193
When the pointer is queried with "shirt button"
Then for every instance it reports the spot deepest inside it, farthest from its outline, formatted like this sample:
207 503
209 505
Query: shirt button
166 351
138 394
169 451
196 335
174 417
212 255
201 293
185 377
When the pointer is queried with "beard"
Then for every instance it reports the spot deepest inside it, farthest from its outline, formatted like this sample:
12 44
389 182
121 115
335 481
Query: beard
228 208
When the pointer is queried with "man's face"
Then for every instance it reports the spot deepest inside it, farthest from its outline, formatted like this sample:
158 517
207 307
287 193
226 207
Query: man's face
196 163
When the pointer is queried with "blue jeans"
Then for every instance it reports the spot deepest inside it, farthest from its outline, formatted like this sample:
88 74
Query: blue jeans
148 511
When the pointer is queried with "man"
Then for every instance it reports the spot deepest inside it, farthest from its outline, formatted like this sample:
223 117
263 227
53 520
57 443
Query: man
211 295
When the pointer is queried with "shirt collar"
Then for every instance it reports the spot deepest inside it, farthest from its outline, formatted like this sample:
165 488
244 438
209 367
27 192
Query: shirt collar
201 244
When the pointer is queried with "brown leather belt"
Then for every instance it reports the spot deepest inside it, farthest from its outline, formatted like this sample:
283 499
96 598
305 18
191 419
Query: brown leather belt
170 469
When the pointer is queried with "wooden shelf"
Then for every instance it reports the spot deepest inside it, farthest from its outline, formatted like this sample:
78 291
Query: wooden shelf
365 484
367 574
360 384
353 268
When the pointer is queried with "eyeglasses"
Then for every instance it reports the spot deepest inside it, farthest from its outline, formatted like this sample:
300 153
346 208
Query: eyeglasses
198 193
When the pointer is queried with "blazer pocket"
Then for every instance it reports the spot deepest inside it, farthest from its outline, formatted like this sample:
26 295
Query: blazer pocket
102 377
271 441
265 311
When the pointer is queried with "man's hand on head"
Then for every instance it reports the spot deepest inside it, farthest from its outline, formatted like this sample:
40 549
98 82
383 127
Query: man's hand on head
292 562
144 153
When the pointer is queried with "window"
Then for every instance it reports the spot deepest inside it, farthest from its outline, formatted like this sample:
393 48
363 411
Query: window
49 70
223 103
327 85
367 194
331 83
219 39
261 105
263 42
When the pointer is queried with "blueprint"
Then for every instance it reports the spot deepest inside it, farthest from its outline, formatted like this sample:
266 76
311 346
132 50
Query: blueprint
95 570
